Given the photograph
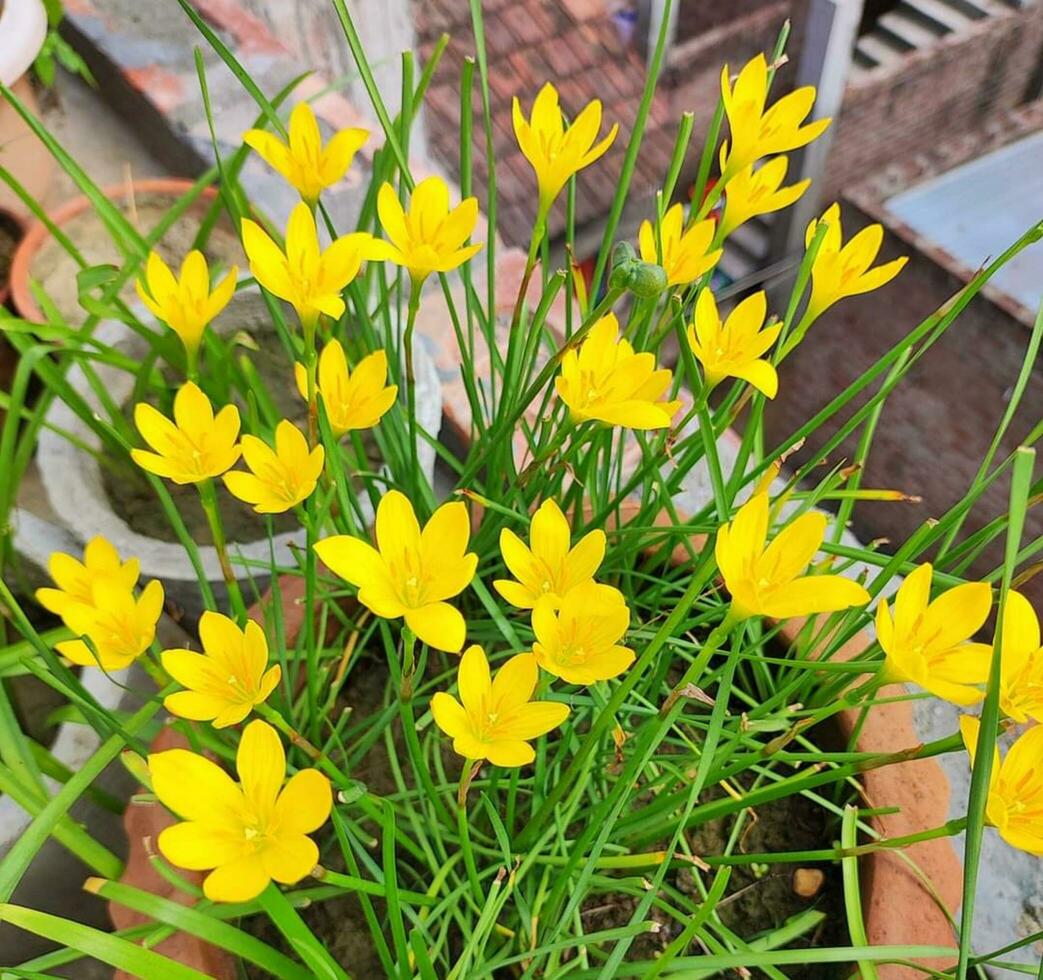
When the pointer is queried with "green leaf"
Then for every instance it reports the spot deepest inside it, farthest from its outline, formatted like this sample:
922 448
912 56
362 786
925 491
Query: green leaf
196 922
101 945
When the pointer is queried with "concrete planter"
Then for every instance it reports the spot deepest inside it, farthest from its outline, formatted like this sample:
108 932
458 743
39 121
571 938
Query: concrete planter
72 481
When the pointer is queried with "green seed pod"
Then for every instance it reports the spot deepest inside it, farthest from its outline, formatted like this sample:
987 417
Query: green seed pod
644 279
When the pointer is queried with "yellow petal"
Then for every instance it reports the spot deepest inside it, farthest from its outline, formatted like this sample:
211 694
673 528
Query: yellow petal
814 594
198 846
438 625
288 858
304 804
261 763
513 685
237 881
449 715
473 680
193 787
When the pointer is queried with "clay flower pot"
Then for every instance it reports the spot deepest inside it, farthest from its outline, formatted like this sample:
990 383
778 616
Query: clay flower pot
38 235
23 29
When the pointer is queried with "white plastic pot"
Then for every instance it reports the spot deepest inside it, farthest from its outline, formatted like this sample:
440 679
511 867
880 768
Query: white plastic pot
23 27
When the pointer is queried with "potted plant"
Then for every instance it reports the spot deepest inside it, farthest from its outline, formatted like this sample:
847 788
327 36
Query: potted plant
603 705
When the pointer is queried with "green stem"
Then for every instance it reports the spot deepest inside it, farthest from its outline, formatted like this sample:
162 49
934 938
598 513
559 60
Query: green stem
208 498
415 288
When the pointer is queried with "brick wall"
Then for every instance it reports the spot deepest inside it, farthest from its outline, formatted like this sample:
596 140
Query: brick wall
929 95
693 78
695 17
937 424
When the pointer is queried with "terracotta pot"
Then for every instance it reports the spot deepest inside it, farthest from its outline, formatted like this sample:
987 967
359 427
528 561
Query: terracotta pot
38 233
23 28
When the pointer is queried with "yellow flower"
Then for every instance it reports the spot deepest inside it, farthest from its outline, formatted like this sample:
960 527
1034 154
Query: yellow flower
249 832
555 150
580 642
281 477
414 571
757 131
354 399
119 627
75 580
686 254
925 642
607 381
497 717
429 237
185 304
195 446
844 270
303 162
307 277
228 680
754 192
550 569
1014 805
734 348
765 579
1021 667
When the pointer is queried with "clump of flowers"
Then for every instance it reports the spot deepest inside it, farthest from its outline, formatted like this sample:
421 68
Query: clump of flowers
668 614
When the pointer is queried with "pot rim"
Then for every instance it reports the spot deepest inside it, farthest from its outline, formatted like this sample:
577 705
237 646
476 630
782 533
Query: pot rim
39 232
23 30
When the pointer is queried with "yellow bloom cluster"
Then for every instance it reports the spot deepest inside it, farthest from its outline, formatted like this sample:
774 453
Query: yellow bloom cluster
95 598
930 643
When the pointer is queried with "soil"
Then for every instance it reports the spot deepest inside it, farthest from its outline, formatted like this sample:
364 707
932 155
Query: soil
56 270
757 900
10 235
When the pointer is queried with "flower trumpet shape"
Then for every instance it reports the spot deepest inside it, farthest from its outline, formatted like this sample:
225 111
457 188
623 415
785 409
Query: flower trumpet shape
309 278
765 579
841 270
353 399
75 580
1014 805
228 679
1021 668
280 478
555 150
430 236
249 833
195 446
303 162
496 718
686 254
580 641
755 129
926 642
120 628
607 381
734 348
411 572
550 567
754 192
186 304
